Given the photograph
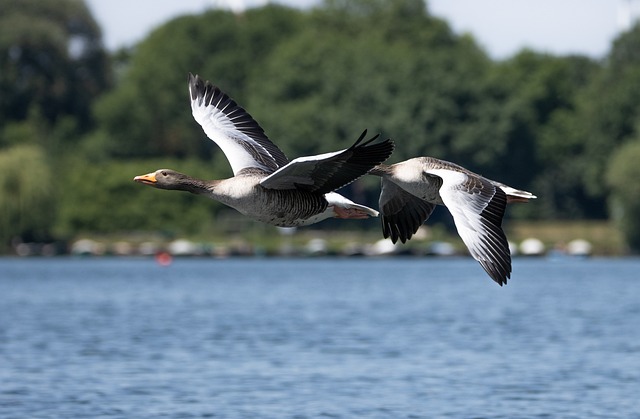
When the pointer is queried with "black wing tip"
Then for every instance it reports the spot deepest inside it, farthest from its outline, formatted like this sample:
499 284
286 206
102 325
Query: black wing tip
501 280
500 274
393 230
197 86
365 153
382 150
364 134
362 144
203 89
359 142
360 160
195 79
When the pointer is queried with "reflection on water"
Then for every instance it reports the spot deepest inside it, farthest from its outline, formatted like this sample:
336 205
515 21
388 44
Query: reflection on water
279 338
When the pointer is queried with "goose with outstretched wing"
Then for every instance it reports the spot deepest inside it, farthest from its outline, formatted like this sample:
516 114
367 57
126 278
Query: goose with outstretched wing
411 190
266 186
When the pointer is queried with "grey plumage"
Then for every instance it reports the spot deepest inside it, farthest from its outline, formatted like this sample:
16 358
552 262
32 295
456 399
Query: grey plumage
411 190
266 186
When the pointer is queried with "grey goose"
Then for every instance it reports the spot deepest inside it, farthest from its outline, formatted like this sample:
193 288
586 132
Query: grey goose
411 189
266 186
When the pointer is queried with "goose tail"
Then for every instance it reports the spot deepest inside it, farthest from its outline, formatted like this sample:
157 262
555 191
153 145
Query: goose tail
516 195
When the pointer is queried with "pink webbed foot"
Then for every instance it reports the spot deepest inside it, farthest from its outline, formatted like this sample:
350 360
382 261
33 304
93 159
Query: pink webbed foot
350 213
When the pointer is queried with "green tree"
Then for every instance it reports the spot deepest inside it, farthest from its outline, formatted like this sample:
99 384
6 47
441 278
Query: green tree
606 116
52 60
314 79
26 194
386 66
53 67
148 114
518 132
102 198
624 200
313 84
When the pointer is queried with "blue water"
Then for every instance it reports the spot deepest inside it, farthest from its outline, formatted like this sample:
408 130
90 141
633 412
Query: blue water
318 338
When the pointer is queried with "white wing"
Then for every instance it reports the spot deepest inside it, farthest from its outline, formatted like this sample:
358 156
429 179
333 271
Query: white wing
477 207
327 172
231 127
299 173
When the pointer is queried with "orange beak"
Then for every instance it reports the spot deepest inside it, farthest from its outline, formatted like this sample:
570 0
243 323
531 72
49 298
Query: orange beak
148 179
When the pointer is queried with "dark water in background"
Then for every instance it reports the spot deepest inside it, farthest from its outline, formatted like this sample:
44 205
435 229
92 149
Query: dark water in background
334 338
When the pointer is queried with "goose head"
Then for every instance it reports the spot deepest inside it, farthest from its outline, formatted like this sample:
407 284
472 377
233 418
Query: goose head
169 179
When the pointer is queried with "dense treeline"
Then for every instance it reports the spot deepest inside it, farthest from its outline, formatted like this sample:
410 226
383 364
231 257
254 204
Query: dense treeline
76 124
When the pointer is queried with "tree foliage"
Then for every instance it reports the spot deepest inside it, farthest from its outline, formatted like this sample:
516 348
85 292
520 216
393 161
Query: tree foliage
580 139
314 80
414 85
104 199
53 67
26 194
148 114
52 60
526 103
624 201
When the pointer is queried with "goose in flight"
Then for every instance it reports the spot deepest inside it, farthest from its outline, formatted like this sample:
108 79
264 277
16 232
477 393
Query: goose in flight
411 189
266 186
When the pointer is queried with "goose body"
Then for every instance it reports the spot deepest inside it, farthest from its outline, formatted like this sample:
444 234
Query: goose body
411 189
266 186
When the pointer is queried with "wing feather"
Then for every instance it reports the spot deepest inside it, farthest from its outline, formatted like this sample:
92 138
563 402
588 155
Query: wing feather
401 213
478 207
239 136
328 172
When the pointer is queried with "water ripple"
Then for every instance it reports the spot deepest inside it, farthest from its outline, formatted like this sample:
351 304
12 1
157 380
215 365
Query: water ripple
351 338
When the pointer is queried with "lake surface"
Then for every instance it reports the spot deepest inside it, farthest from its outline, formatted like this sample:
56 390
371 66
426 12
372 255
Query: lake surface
318 338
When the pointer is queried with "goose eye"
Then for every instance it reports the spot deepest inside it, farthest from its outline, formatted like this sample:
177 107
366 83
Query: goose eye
164 173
